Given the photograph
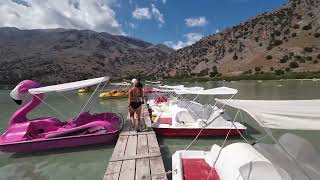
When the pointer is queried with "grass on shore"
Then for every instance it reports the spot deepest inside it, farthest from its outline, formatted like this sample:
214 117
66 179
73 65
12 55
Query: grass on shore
264 76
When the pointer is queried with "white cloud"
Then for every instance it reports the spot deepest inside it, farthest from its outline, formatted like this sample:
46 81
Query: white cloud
133 26
40 14
156 14
193 22
164 1
141 13
190 39
217 31
149 13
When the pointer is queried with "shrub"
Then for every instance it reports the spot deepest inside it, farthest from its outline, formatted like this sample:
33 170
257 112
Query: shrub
287 31
302 60
316 35
271 68
260 44
297 57
309 58
284 59
214 71
318 56
235 57
287 69
277 33
308 49
257 69
307 27
277 42
294 34
269 47
315 61
269 57
279 72
293 65
296 26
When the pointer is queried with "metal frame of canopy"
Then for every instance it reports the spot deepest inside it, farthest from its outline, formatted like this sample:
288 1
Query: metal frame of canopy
58 88
259 110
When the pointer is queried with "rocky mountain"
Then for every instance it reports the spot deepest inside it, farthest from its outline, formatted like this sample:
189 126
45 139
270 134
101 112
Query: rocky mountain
284 40
60 55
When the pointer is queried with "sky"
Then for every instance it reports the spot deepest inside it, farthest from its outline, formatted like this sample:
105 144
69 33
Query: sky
176 23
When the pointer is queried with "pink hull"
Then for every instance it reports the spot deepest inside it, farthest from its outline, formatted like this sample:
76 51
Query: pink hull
62 142
194 132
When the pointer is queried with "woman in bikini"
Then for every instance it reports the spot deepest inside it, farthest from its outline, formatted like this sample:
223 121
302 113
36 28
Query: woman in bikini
135 100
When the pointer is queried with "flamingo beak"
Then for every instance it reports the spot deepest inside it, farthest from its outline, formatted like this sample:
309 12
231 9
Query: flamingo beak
19 102
16 96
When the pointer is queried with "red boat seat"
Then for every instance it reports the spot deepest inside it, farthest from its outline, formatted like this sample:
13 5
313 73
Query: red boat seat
160 99
198 169
165 120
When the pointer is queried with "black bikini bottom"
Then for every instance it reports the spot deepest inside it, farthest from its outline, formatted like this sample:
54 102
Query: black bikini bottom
135 105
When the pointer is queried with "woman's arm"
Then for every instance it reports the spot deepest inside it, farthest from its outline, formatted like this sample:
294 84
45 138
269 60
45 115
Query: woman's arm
129 96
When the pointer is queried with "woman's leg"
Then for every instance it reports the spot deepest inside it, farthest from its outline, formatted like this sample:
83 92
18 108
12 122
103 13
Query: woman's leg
131 114
138 111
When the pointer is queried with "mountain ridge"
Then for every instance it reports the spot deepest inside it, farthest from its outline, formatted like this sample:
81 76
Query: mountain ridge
61 55
283 40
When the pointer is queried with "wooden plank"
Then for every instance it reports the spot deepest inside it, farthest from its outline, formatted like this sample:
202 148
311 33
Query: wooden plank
113 171
142 148
153 144
143 169
143 166
135 157
131 149
157 169
128 170
128 166
114 176
120 147
156 163
136 133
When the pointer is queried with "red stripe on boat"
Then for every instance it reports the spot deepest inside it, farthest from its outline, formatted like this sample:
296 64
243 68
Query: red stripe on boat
198 169
165 121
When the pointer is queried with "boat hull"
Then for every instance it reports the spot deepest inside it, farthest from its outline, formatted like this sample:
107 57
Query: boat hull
62 142
195 132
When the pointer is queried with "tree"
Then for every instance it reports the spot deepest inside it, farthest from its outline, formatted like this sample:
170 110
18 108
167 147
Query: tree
294 64
269 57
279 72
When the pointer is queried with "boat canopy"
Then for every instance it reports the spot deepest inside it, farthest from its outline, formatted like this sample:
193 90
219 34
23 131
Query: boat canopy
121 84
280 114
214 91
172 87
68 86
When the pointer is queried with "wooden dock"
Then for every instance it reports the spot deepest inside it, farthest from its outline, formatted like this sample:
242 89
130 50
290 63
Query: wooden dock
136 155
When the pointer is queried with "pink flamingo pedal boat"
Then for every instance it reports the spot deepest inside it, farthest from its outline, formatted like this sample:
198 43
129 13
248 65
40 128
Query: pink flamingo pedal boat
28 135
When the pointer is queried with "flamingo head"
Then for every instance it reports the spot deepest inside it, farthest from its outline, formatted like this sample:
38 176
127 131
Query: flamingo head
21 90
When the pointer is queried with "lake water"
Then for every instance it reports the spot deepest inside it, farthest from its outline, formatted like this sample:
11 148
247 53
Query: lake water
90 162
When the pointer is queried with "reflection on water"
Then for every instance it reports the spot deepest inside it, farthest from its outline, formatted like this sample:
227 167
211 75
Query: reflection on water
90 162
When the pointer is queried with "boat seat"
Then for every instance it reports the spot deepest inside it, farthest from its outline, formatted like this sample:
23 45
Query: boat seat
236 160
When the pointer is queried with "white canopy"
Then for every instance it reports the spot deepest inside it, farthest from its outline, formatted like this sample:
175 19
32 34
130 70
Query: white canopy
68 86
214 91
281 114
121 84
172 87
